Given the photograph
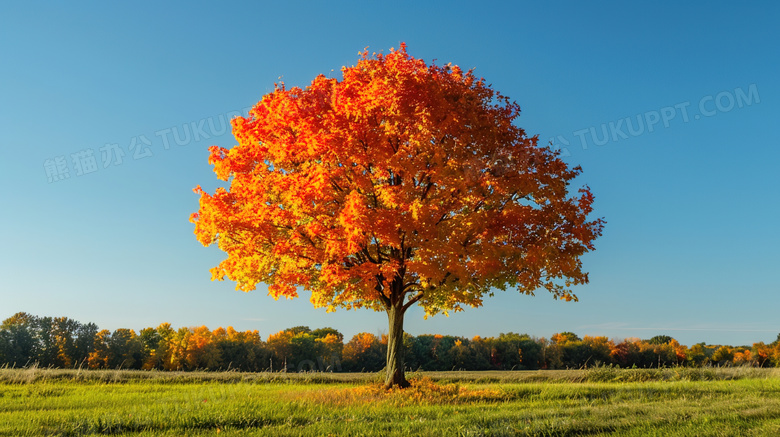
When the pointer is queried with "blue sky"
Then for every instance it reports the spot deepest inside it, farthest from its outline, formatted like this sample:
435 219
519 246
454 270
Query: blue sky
670 109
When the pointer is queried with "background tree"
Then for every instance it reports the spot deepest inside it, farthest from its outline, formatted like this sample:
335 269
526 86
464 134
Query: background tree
64 333
660 339
552 354
364 352
29 340
647 354
743 357
21 344
329 344
161 347
429 352
125 350
722 355
5 346
600 349
324 332
680 352
100 356
562 338
177 344
481 349
304 351
461 355
697 355
329 350
761 354
401 184
243 350
48 349
85 342
280 345
517 351
202 350
666 354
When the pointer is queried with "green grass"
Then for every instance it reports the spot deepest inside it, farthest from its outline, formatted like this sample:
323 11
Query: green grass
601 401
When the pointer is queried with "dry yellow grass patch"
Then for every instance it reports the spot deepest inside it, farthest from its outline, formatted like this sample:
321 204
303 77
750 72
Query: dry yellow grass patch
423 391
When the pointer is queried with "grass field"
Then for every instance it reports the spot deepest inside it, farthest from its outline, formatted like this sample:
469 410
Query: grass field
601 401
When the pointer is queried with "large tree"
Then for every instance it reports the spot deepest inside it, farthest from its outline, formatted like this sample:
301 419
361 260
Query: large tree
400 184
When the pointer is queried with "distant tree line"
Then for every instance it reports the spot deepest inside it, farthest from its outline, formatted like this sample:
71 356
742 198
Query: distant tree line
61 342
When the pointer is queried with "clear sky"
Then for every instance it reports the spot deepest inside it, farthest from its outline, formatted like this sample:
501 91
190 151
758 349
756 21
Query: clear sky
107 111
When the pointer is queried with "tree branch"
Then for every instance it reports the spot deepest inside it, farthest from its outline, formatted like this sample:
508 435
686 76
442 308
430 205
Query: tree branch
413 300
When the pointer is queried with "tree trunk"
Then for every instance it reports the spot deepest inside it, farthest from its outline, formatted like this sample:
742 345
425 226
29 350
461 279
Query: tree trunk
395 347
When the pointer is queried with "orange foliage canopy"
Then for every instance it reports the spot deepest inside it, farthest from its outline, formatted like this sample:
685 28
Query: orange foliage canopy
402 183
